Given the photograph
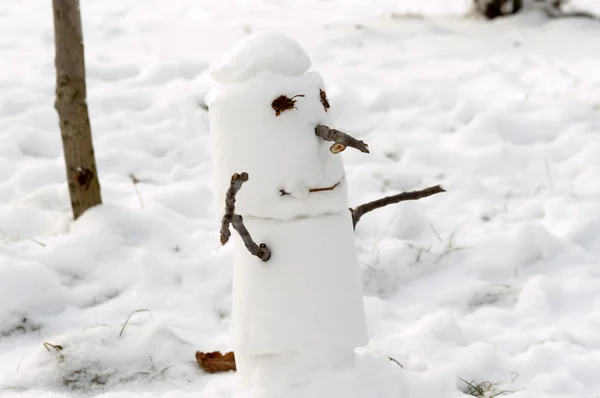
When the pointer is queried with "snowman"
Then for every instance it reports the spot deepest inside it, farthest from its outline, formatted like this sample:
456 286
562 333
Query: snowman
297 302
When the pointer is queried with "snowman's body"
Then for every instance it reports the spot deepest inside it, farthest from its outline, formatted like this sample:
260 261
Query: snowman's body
302 310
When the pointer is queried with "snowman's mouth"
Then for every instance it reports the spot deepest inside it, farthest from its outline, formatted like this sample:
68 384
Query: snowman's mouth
312 190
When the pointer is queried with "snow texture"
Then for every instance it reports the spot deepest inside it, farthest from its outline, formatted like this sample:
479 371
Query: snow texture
262 53
307 296
496 280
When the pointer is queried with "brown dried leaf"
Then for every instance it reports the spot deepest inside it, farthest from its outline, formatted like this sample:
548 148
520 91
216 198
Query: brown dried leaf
215 362
337 148
324 100
283 103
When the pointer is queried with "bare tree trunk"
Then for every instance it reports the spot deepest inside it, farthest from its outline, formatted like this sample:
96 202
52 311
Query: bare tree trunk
72 109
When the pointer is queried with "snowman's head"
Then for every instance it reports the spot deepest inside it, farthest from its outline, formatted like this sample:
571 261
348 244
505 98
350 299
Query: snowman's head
263 114
258 54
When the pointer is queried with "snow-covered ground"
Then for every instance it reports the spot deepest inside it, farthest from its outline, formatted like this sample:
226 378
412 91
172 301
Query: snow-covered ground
496 280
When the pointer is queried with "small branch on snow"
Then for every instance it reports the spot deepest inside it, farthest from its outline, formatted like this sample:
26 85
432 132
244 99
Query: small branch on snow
361 210
230 218
341 140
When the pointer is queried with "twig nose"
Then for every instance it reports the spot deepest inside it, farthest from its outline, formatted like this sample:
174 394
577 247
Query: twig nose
341 140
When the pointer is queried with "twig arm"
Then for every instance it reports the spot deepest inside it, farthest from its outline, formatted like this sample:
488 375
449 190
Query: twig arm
261 251
230 218
339 137
361 210
236 183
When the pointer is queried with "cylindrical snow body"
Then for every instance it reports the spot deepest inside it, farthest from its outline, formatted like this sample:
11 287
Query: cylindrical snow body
306 299
278 152
307 296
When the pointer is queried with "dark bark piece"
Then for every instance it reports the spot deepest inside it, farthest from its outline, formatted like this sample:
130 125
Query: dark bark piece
361 210
230 218
339 137
71 106
215 362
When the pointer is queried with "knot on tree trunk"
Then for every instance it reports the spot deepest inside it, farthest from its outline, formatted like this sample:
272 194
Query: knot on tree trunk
84 177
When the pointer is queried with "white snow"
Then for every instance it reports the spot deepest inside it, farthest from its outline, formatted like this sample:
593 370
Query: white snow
307 296
278 152
496 280
259 53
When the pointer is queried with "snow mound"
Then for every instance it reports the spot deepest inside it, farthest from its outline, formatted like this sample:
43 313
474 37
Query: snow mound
20 299
371 377
105 357
259 53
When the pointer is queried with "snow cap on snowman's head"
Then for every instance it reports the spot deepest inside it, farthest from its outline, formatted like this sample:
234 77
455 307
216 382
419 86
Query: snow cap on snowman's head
260 53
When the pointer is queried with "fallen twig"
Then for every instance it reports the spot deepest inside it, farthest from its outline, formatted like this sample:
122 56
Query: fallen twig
361 210
341 140
230 218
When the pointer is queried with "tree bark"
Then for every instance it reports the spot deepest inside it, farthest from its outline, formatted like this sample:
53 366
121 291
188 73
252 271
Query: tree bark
71 106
